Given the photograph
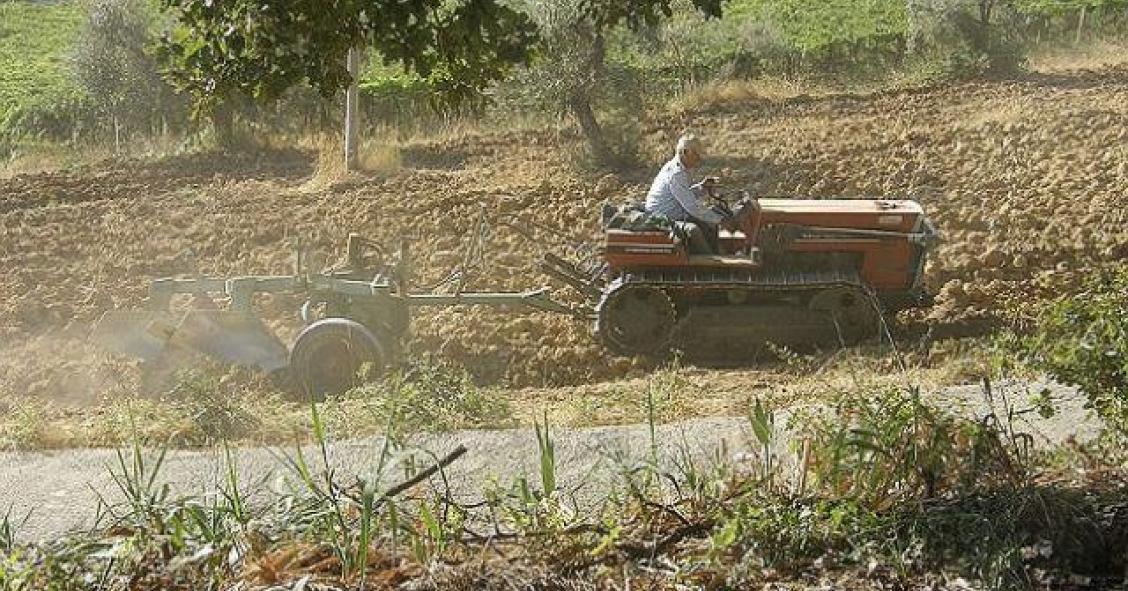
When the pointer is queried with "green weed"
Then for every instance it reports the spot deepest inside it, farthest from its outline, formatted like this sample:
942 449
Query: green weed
433 396
1082 340
215 411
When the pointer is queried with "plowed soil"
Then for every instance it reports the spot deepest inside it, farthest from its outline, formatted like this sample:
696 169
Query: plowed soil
1026 178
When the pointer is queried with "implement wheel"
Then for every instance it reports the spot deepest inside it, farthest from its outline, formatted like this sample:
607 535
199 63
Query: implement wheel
636 320
334 355
851 309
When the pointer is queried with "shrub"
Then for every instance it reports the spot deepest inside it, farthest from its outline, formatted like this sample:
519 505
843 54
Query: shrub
213 409
1082 340
888 444
966 37
433 396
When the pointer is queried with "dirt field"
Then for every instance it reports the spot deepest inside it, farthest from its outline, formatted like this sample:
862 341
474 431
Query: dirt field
1025 178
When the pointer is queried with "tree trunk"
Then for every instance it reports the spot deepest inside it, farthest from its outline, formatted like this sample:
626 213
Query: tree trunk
985 11
1080 25
593 132
352 97
117 133
579 102
223 124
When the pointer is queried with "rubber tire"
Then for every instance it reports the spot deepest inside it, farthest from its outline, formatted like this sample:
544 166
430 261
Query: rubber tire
316 364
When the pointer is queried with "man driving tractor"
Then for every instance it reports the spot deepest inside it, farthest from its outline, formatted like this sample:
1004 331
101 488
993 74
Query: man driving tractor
673 197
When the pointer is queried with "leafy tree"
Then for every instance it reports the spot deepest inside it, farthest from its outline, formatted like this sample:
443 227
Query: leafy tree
1079 11
973 33
111 62
260 48
225 49
814 25
1057 7
572 72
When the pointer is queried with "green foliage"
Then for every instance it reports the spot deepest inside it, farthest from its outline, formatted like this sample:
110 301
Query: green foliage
1058 7
250 47
1082 340
762 421
547 450
112 63
890 445
37 93
968 37
636 14
785 534
433 396
813 26
34 40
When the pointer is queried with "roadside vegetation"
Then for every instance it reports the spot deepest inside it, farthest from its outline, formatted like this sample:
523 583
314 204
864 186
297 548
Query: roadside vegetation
880 488
877 484
1082 339
206 405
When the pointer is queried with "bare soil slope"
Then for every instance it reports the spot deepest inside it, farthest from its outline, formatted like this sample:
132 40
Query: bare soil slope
1026 179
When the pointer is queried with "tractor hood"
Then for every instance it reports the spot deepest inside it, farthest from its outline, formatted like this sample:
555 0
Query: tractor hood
890 215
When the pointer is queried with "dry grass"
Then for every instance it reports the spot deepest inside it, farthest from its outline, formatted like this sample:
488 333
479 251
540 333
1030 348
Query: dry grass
380 158
686 392
712 94
676 392
1088 56
35 157
46 157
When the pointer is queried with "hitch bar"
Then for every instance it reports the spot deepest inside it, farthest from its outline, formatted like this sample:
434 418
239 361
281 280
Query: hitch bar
242 290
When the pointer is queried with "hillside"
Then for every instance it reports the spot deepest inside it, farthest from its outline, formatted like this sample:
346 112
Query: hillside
1024 178
35 39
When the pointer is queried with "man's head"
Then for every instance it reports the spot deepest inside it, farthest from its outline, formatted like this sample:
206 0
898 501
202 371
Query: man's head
690 150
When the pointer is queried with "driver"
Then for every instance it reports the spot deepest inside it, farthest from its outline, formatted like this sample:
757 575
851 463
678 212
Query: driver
671 195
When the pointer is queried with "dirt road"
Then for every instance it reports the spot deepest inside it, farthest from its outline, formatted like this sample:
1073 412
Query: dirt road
60 489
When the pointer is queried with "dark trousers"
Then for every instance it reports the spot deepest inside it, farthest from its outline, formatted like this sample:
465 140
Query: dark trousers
701 237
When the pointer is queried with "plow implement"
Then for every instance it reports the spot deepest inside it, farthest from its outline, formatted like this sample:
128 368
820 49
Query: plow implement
364 319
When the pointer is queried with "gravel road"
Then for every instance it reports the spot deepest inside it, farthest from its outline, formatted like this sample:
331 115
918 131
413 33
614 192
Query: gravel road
58 490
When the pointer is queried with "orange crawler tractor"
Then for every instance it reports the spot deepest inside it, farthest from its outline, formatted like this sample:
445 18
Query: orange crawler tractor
791 271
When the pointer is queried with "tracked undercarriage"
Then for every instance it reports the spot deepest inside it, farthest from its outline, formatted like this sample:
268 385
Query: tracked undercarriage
648 313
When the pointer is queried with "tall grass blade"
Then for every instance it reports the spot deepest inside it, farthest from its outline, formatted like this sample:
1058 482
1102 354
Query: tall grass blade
547 450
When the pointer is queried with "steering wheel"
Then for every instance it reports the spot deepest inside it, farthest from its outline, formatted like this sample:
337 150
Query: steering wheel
721 202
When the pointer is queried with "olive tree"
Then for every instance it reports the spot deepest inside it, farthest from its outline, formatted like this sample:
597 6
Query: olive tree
572 72
973 34
112 63
261 48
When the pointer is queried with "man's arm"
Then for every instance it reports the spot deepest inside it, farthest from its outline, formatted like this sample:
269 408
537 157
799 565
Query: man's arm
687 198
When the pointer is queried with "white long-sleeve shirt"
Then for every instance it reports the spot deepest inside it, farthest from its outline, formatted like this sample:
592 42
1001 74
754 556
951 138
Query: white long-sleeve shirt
672 195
